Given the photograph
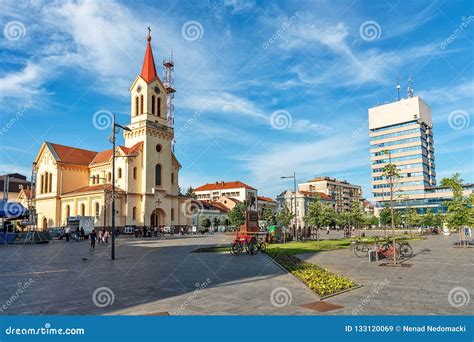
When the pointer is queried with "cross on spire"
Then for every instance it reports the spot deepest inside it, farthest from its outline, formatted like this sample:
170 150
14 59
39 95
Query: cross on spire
149 31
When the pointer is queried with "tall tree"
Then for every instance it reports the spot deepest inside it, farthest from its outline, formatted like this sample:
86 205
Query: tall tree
357 214
268 215
459 211
190 192
237 215
390 172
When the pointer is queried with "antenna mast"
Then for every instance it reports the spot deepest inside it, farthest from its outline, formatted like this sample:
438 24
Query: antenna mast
410 90
398 88
168 66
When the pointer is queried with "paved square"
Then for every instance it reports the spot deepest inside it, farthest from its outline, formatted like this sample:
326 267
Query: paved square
152 277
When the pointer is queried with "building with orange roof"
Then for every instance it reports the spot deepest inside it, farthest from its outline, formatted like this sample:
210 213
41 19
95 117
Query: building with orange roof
235 189
73 181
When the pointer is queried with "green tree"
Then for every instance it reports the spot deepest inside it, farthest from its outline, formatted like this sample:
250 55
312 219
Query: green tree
216 222
357 214
237 215
190 192
206 223
459 213
438 219
315 215
390 172
268 215
284 217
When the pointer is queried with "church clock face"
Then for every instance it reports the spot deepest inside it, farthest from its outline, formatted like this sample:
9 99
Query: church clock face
139 89
157 89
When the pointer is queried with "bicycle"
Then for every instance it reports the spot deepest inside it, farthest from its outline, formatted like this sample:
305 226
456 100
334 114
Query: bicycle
361 249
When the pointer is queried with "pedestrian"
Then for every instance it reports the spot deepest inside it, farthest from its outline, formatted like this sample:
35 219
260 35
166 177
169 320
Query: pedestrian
82 233
77 234
155 231
327 230
100 236
67 232
106 236
93 238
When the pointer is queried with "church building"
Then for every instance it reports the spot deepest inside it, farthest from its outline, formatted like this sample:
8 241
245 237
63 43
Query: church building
71 181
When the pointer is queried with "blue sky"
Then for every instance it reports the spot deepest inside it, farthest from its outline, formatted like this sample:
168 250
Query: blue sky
270 87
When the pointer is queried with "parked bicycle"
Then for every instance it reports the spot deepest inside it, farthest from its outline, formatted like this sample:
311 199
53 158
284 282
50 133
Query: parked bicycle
403 249
247 243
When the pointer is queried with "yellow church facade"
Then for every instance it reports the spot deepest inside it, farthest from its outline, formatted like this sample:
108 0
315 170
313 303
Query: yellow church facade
75 182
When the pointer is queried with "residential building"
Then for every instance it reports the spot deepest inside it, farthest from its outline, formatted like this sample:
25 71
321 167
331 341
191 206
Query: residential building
265 202
401 133
213 211
73 181
341 192
13 183
368 207
303 199
236 189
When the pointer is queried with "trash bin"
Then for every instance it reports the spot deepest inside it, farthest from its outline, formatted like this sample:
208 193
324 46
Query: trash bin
373 256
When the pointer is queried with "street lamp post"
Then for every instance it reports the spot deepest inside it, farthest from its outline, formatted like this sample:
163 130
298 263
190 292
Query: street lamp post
294 192
115 128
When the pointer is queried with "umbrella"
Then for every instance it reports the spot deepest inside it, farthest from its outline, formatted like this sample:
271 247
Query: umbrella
12 210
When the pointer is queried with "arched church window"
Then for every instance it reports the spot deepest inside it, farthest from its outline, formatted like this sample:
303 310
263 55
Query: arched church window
109 177
68 211
83 209
172 213
134 213
136 105
42 185
135 172
119 172
97 210
158 174
50 189
152 104
46 181
172 178
141 104
158 106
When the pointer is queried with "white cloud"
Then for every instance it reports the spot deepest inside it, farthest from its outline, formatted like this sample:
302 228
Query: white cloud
28 80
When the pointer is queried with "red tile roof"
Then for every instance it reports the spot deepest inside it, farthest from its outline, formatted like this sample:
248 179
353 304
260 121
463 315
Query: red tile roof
223 185
265 199
105 156
73 155
148 69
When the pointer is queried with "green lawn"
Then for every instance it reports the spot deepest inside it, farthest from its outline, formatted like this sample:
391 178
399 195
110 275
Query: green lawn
293 248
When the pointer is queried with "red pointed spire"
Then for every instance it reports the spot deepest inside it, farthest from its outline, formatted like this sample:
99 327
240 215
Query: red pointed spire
148 70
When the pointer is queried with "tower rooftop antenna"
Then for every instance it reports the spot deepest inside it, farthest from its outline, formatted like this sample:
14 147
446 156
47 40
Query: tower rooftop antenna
398 88
410 90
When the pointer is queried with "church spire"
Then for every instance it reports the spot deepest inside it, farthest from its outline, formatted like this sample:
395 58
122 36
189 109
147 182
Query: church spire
148 70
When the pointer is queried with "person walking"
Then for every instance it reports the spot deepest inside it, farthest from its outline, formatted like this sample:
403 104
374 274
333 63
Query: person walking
67 232
106 236
93 238
83 233
100 237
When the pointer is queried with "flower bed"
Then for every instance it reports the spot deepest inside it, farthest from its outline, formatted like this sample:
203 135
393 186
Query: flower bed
318 279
